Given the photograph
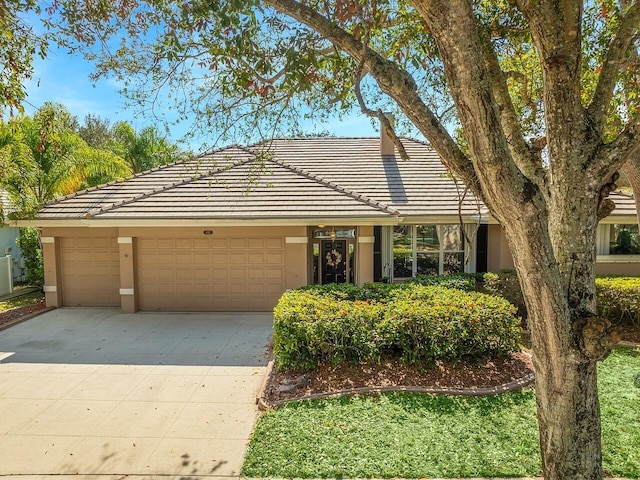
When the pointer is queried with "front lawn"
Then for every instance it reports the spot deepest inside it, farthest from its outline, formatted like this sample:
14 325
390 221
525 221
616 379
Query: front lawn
412 436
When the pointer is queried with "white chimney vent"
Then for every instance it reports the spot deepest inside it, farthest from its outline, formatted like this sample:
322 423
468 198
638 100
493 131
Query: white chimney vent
387 148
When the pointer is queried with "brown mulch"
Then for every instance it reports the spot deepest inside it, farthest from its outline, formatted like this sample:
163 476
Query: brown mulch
15 314
285 385
630 333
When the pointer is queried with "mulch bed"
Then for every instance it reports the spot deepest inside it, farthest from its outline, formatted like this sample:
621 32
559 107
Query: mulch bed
281 386
15 315
286 385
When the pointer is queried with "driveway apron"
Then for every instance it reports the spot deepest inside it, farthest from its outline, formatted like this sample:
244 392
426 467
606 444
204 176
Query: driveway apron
99 393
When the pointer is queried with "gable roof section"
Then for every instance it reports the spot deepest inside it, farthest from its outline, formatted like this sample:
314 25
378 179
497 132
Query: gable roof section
420 186
625 205
233 183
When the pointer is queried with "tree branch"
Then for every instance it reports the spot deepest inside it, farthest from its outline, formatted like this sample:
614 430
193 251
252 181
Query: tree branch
555 27
618 47
493 136
385 123
527 159
393 81
611 156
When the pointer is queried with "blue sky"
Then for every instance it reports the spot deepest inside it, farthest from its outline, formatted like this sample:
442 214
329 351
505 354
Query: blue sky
63 78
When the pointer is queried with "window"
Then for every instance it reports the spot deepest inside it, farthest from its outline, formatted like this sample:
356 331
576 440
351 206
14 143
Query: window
402 251
427 250
624 240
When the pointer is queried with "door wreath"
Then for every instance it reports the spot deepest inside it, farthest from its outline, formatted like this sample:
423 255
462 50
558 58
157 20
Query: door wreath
333 258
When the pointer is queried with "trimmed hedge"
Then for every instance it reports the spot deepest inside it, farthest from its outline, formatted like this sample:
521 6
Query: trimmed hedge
460 281
418 324
619 298
505 284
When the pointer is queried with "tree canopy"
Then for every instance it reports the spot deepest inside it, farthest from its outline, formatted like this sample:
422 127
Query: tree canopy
19 46
45 156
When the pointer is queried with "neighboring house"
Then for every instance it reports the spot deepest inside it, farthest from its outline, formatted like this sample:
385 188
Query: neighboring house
9 247
233 229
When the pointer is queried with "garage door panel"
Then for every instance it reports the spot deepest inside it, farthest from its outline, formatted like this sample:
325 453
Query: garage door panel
238 274
90 271
256 259
184 244
165 243
238 243
256 274
256 243
274 258
275 273
210 274
274 289
275 243
238 258
219 259
202 274
183 259
220 289
201 257
219 243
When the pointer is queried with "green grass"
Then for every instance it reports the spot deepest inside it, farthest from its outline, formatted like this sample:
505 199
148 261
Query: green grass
411 436
22 301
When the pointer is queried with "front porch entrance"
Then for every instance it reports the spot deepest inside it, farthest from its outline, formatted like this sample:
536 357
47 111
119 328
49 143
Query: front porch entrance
332 255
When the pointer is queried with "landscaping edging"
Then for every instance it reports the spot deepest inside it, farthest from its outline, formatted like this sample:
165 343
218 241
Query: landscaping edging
264 404
26 317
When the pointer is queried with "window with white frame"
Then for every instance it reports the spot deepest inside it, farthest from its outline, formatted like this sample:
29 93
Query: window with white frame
427 250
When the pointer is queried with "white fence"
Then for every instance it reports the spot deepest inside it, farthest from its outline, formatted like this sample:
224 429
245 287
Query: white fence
6 279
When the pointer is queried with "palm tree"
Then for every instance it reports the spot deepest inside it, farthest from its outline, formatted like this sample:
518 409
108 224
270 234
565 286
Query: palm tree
144 150
42 158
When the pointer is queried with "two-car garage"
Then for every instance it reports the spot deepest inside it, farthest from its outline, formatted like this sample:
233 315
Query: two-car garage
193 269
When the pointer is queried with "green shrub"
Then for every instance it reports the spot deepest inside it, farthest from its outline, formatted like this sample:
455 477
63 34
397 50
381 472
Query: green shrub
418 324
29 243
460 281
506 285
619 298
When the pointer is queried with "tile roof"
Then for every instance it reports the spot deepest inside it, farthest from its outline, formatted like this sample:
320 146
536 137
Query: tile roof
285 178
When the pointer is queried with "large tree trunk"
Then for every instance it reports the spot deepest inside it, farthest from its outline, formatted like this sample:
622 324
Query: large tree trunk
566 382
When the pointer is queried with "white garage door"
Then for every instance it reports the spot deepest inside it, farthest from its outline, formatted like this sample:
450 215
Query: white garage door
90 271
210 274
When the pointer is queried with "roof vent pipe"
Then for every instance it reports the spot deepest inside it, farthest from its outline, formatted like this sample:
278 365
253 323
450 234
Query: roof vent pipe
387 148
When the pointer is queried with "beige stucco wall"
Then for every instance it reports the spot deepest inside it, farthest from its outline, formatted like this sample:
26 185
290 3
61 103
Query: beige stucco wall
365 255
499 257
498 252
618 268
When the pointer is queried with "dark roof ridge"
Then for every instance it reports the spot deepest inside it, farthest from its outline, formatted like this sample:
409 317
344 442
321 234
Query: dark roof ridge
170 186
339 188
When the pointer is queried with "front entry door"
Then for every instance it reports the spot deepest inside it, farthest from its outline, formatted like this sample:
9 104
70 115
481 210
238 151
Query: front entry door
335 261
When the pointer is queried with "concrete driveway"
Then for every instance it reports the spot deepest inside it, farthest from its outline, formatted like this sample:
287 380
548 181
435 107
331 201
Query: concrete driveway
95 392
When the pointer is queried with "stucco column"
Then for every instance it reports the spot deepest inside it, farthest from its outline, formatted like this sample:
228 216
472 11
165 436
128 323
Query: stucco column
52 276
128 295
296 262
365 255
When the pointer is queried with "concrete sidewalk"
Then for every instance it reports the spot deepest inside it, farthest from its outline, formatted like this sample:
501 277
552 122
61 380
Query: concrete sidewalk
98 393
